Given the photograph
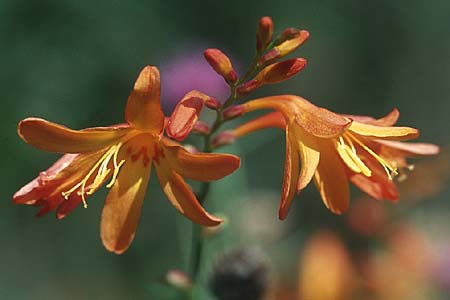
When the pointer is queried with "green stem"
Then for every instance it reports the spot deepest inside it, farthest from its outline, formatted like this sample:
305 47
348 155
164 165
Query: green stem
197 239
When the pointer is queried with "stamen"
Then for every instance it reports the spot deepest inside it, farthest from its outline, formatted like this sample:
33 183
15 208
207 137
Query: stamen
390 170
102 173
351 158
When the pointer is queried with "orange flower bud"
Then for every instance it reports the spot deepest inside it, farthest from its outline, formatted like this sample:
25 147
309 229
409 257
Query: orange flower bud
288 41
212 103
222 139
221 64
248 87
185 115
281 71
202 128
233 112
264 34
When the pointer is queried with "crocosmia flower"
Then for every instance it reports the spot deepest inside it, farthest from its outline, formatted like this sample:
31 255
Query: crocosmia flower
334 148
124 155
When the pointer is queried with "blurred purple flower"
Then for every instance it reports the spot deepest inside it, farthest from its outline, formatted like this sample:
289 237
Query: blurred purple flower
185 71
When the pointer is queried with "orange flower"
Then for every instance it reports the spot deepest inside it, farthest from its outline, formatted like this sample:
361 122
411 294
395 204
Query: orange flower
124 153
334 148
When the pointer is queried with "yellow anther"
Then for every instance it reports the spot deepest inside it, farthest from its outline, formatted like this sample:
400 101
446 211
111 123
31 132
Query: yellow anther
103 172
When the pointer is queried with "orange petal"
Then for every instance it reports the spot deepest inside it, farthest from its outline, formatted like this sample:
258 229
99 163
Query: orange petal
411 149
377 185
123 204
385 132
291 175
201 166
309 155
61 176
181 196
389 120
185 115
314 120
52 137
319 121
331 180
143 110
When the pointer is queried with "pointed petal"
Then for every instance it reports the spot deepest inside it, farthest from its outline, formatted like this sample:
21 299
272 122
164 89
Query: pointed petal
315 120
181 196
143 110
411 149
52 137
378 185
201 166
185 115
319 121
389 133
331 180
291 175
309 155
389 120
123 204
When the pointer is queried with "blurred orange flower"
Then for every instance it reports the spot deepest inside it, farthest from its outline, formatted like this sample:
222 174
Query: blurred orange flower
334 148
124 153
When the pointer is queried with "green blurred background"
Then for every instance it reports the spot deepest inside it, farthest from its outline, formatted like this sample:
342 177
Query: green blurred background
74 63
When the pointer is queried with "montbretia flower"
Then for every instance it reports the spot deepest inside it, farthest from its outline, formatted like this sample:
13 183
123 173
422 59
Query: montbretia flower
124 154
333 148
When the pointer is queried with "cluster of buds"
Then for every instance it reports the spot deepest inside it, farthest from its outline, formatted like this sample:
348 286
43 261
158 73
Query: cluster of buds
266 69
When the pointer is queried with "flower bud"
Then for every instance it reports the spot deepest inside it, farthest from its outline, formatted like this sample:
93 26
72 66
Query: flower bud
221 64
233 112
264 33
185 115
222 139
288 41
179 280
201 128
248 87
281 71
213 103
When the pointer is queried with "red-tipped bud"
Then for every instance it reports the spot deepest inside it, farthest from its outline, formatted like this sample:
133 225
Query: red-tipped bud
185 115
288 41
201 128
233 112
213 103
248 87
221 64
179 280
222 139
264 33
281 71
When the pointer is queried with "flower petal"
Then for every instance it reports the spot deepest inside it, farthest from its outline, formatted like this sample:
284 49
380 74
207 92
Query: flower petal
181 196
201 166
185 115
309 155
331 180
385 132
52 137
143 110
378 185
291 175
411 149
123 204
389 120
319 121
